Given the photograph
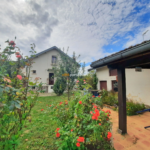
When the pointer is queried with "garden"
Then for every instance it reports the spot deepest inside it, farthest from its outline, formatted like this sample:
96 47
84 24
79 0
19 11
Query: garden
69 121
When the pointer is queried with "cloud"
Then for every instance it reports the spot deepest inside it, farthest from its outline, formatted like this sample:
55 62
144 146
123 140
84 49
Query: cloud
85 26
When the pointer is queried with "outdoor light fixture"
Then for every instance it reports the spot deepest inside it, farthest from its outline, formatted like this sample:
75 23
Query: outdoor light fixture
138 69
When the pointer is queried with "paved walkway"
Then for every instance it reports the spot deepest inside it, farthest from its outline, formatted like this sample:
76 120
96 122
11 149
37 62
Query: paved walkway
138 138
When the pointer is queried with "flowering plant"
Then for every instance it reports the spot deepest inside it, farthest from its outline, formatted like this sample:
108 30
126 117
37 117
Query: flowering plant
15 104
82 123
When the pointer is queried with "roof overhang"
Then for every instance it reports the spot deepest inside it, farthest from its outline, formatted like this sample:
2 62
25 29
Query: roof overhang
113 60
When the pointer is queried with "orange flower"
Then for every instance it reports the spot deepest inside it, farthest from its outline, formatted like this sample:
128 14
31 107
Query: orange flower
42 109
50 105
71 130
99 123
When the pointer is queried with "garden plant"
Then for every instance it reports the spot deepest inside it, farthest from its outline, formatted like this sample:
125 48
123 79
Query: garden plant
82 123
16 97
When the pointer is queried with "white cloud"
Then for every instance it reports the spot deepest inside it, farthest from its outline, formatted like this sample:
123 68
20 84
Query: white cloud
138 38
85 26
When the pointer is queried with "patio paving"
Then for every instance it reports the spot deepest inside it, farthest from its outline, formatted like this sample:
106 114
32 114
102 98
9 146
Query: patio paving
137 137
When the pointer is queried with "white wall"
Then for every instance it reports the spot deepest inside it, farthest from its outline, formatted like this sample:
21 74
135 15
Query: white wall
41 64
137 83
103 75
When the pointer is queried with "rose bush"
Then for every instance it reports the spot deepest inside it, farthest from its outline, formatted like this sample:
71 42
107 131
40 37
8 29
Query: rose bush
15 104
82 124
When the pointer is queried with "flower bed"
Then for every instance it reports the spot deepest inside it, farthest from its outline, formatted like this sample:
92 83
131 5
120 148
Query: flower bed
82 124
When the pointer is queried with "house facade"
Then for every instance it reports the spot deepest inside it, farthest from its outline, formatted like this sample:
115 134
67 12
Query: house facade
137 83
43 67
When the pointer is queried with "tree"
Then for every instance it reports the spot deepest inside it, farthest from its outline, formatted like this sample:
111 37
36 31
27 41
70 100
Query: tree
92 79
68 66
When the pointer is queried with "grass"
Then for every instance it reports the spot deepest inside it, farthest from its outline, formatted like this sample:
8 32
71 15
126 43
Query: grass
39 134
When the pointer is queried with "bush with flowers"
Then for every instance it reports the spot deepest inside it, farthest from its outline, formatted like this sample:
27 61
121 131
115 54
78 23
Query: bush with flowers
82 123
15 104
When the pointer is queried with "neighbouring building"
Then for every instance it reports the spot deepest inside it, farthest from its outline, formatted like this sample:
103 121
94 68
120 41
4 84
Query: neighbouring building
137 78
137 82
43 67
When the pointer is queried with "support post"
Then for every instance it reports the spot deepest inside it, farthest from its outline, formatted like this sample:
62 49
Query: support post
122 99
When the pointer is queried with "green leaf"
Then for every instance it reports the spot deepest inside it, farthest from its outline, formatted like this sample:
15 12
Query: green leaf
1 91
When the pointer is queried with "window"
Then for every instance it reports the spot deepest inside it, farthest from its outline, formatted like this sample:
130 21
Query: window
113 72
34 71
33 87
54 59
51 78
114 85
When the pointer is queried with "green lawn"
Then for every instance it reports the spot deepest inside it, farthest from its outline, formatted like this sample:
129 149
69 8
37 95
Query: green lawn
40 132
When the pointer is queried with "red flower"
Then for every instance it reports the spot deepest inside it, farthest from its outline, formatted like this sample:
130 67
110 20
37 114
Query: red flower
108 111
107 119
60 103
71 130
58 129
99 96
109 135
91 112
78 144
66 103
95 106
95 115
19 77
80 102
50 105
57 134
93 96
108 115
42 109
80 139
99 123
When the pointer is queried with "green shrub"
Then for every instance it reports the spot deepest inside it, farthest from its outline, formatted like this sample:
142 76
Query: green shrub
109 98
59 86
133 107
80 119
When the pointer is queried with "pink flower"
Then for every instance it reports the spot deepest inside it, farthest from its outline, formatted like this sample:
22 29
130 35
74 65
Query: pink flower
77 80
17 53
12 43
84 82
18 56
19 77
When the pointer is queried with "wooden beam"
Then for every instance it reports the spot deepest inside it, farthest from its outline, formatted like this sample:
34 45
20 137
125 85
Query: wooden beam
122 99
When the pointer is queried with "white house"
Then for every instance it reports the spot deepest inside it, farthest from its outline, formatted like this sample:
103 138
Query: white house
42 67
136 62
137 83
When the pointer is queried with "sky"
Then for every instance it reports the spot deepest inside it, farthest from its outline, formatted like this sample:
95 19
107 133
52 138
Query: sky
92 29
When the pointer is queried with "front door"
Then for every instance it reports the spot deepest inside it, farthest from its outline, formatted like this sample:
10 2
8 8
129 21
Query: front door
103 85
51 78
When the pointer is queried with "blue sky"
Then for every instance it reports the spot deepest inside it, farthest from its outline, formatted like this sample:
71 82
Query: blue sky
92 28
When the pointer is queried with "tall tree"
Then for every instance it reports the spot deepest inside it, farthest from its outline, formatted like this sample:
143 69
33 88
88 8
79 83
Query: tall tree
67 70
